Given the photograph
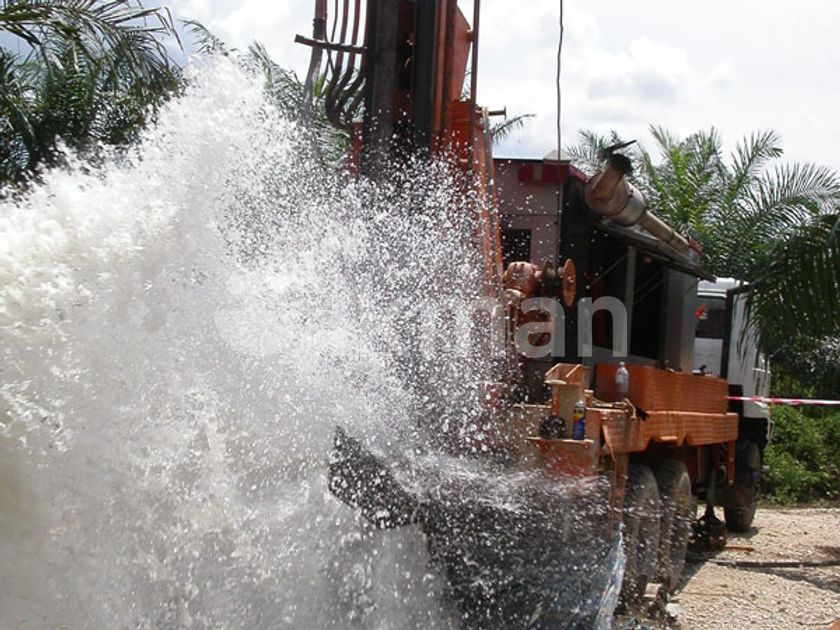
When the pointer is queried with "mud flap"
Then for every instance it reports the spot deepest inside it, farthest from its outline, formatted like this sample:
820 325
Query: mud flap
361 481
537 567
544 562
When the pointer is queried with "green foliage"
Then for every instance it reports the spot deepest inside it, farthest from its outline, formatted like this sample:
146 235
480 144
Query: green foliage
804 456
586 153
89 73
92 74
807 370
286 91
798 283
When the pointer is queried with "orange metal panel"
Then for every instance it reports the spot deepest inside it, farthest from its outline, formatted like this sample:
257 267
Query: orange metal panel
701 429
454 44
625 435
569 373
467 147
653 389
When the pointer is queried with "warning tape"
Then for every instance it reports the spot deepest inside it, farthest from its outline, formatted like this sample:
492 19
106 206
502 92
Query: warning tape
794 402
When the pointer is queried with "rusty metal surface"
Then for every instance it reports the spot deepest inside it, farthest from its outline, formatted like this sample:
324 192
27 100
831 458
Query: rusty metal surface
306 41
573 373
577 458
465 142
474 72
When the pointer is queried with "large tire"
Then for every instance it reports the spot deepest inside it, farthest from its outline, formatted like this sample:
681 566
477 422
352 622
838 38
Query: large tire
641 532
678 512
739 510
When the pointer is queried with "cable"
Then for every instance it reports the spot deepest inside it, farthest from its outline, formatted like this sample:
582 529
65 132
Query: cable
559 88
559 128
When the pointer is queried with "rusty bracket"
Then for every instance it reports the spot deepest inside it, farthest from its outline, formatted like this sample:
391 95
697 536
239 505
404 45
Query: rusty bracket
307 41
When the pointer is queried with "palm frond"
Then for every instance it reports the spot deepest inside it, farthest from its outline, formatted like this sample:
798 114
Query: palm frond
798 292
90 73
504 129
747 161
666 140
95 26
282 86
789 194
17 133
586 154
780 201
206 42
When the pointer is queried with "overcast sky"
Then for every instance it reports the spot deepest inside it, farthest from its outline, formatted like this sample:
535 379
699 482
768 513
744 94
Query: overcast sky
741 65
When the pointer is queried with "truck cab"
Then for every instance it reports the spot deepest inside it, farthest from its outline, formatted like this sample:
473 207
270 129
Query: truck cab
747 369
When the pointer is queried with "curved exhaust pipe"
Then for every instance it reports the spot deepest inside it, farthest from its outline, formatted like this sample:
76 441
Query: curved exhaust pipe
610 195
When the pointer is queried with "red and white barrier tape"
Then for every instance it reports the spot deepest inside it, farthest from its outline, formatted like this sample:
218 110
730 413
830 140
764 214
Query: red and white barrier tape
794 402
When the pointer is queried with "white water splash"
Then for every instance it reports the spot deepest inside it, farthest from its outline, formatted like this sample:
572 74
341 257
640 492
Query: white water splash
181 332
183 329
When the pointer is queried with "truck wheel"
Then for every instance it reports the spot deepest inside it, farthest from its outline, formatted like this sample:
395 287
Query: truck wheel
641 532
739 510
678 512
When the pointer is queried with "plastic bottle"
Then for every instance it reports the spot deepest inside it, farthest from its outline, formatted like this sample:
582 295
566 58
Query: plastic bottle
622 382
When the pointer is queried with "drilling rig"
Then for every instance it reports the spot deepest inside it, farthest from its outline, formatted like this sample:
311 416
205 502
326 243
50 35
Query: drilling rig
400 78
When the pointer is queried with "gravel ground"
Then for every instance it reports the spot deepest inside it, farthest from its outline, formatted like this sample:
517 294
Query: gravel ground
731 598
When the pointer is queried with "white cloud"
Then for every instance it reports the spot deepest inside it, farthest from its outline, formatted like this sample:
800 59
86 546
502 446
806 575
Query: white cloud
722 75
737 66
646 70
271 22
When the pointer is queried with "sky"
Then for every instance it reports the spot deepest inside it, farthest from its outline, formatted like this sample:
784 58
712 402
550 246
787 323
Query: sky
740 66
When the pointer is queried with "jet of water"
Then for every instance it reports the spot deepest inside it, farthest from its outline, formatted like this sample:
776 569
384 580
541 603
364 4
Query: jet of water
183 328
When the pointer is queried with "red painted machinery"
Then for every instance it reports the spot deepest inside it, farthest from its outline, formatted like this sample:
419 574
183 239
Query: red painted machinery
396 82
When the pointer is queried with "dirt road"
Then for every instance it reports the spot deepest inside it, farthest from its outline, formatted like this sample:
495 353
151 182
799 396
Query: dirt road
717 596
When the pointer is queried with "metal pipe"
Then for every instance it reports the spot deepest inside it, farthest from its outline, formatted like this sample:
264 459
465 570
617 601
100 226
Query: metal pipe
380 83
609 194
446 89
319 33
474 78
338 96
323 45
474 70
337 75
424 81
335 20
664 232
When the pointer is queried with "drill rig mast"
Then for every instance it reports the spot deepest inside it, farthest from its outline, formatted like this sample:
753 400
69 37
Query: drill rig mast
395 82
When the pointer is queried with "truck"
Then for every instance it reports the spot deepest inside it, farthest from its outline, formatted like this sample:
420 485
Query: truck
722 322
584 281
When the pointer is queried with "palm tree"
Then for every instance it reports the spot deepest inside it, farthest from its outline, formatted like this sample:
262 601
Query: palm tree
774 225
90 72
